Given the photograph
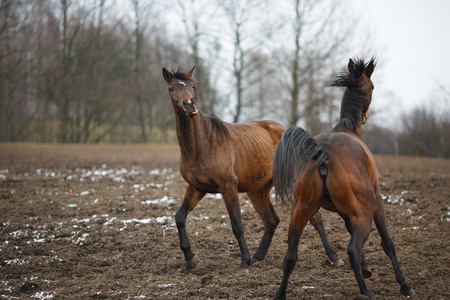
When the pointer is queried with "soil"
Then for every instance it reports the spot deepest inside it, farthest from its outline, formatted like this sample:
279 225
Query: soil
97 221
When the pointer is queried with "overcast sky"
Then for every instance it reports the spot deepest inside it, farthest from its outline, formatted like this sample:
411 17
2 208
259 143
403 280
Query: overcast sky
412 44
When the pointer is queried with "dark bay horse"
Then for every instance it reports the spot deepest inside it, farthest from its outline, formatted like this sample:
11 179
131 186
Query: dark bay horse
338 172
226 158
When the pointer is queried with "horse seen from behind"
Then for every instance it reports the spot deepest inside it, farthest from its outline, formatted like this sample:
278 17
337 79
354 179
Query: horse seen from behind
338 172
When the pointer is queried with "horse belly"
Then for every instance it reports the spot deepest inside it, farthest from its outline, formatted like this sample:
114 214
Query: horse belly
254 174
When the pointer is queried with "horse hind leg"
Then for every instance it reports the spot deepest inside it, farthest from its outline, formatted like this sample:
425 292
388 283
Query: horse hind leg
261 202
360 232
365 269
303 210
191 199
317 222
388 246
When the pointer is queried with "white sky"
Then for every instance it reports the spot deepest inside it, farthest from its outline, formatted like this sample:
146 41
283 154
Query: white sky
411 40
412 44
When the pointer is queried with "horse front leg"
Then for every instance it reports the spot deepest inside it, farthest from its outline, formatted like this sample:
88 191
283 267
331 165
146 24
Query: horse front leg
231 198
191 198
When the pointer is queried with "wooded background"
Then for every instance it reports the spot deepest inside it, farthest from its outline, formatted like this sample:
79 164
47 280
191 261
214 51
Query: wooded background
89 71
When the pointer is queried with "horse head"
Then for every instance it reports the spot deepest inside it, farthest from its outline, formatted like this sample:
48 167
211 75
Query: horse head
182 91
363 75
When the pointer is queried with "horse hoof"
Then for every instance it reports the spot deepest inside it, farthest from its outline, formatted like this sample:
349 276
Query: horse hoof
191 264
406 290
338 263
244 264
366 272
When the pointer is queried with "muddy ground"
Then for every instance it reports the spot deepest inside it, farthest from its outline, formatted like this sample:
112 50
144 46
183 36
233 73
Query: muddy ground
97 221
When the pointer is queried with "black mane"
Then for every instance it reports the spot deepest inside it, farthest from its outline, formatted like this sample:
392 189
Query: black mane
182 76
354 101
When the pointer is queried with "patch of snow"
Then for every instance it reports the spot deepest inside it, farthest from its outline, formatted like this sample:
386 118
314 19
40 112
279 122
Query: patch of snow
165 285
42 295
164 200
16 261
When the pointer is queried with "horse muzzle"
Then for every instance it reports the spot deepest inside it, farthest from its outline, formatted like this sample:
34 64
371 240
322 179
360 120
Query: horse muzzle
190 107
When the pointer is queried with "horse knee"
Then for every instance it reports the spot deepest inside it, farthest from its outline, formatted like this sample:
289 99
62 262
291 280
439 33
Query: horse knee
271 225
351 252
289 262
180 218
354 256
277 221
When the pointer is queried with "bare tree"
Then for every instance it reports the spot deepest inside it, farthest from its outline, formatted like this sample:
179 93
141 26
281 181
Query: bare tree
196 16
140 11
426 130
239 16
317 41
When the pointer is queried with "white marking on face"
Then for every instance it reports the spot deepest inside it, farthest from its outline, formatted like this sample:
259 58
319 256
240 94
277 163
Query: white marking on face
182 83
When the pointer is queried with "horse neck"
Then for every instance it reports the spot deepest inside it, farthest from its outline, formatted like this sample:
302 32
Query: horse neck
190 131
351 117
341 127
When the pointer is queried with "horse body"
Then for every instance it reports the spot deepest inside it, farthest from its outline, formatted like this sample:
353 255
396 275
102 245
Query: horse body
338 172
249 163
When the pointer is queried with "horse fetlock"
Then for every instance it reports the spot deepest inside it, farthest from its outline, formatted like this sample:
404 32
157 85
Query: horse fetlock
258 256
186 248
366 271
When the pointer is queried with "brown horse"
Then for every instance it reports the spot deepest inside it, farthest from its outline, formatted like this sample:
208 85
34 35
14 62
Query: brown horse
338 172
226 158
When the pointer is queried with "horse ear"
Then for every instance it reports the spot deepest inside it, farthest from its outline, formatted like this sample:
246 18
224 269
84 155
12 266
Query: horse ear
167 75
351 65
191 72
369 69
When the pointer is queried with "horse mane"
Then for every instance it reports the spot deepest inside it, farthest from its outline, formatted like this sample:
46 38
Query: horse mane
218 124
182 75
353 104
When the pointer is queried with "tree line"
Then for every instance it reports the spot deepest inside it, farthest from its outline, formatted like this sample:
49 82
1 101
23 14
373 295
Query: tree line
89 71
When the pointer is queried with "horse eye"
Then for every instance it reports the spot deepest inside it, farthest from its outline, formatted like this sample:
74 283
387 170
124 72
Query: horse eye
171 89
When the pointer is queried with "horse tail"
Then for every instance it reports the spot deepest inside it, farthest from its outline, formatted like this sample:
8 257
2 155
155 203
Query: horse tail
292 154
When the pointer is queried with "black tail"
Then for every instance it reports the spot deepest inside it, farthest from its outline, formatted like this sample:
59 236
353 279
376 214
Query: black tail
294 151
